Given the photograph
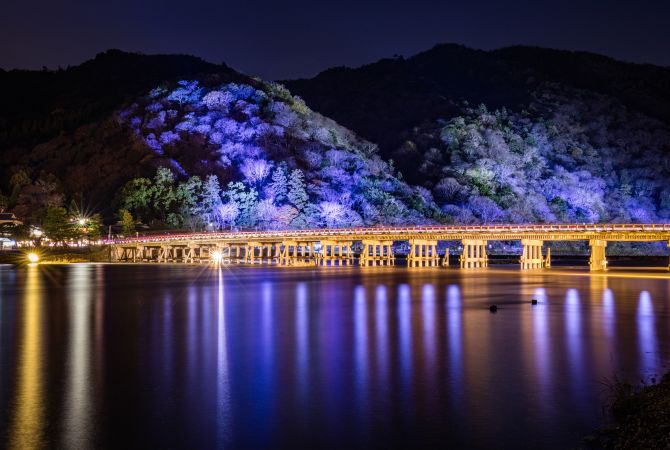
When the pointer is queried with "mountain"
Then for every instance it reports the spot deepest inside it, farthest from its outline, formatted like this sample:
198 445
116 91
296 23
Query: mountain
449 135
517 134
257 156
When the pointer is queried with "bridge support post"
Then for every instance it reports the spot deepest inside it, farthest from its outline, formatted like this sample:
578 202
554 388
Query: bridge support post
531 256
597 261
250 253
334 253
422 253
445 259
288 253
376 253
547 259
474 254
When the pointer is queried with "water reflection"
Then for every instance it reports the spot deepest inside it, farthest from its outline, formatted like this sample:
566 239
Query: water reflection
428 316
360 348
609 313
250 358
574 340
647 335
541 337
455 334
302 340
382 338
78 408
223 422
27 426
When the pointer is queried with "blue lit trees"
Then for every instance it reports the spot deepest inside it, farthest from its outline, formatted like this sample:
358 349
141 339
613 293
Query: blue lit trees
263 145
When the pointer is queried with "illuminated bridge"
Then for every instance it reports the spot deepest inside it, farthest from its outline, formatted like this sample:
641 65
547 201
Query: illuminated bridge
335 246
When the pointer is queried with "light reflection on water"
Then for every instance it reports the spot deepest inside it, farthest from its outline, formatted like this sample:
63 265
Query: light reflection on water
647 334
150 356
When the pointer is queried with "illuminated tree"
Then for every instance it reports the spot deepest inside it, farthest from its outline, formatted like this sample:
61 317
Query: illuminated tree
255 171
228 213
210 204
136 195
245 200
163 192
57 225
297 193
217 100
278 187
188 197
127 222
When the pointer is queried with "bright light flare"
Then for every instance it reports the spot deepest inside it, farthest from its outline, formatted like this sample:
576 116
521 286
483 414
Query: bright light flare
33 258
217 256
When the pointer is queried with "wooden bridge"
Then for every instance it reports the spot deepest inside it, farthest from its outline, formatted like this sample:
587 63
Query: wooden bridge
334 246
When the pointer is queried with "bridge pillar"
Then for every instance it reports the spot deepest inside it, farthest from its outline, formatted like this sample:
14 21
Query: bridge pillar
474 254
335 253
597 261
376 253
163 254
531 257
423 253
445 259
293 253
250 253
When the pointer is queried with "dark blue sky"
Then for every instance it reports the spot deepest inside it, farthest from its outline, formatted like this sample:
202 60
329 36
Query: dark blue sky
293 38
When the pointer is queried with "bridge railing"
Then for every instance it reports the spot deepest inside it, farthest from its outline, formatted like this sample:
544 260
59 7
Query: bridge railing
394 230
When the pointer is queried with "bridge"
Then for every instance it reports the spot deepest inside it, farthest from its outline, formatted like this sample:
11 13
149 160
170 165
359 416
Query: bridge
335 246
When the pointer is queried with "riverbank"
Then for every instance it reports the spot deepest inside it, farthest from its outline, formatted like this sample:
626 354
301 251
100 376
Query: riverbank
57 255
640 418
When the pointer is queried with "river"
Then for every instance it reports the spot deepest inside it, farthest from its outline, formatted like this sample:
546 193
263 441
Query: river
121 356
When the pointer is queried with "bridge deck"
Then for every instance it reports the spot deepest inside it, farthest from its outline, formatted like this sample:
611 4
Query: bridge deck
607 232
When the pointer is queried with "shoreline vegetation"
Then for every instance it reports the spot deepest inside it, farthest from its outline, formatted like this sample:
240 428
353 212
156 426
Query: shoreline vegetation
639 417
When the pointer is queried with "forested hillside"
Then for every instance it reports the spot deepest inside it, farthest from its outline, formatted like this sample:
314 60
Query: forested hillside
261 158
514 135
449 135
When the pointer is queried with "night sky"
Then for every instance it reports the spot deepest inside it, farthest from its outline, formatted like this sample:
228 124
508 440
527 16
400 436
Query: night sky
288 39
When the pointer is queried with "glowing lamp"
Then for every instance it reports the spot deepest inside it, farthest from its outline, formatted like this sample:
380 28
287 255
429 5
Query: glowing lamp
33 258
82 221
217 256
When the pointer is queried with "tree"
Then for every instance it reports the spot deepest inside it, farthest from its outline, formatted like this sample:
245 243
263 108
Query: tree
227 213
332 214
18 180
245 200
217 100
187 197
278 187
163 192
255 171
94 227
485 208
57 225
127 222
211 200
266 214
136 196
297 194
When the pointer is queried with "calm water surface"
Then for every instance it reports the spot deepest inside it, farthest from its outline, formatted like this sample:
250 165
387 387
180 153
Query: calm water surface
199 357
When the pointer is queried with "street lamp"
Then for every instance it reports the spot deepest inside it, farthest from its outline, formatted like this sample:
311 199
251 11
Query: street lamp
217 256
